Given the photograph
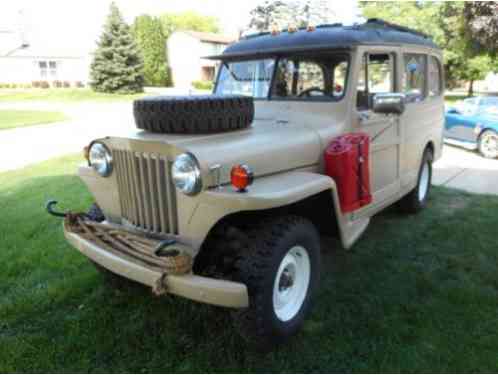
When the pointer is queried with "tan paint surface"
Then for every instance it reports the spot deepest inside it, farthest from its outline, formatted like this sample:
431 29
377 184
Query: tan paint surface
197 288
284 148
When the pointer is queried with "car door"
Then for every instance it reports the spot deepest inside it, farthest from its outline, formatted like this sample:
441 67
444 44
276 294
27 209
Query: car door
459 126
377 74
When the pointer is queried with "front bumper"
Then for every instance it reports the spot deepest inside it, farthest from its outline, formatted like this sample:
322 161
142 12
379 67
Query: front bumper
201 289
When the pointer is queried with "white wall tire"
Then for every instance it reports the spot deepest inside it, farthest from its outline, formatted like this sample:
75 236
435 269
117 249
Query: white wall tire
416 200
424 181
280 267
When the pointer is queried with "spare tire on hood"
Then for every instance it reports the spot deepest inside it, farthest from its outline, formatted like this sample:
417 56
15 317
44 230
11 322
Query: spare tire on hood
193 114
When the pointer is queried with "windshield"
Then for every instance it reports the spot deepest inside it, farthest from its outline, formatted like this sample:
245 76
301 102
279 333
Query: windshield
247 78
302 77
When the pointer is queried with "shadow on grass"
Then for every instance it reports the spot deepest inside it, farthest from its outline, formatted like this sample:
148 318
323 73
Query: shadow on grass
416 294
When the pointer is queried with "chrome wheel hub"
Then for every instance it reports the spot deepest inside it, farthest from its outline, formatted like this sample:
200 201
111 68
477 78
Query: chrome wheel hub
489 145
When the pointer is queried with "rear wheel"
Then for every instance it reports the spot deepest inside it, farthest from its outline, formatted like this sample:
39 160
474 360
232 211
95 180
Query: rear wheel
280 267
488 144
416 200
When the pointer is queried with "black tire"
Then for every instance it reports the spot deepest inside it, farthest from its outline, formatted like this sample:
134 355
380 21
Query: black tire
412 203
257 267
193 114
484 149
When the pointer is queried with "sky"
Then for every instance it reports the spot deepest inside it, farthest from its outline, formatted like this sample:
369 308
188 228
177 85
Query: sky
76 24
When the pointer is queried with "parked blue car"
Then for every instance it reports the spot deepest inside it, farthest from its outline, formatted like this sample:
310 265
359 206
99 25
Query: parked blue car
473 124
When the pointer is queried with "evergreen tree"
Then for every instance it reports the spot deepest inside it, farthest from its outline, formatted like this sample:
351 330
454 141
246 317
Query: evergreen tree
117 65
149 36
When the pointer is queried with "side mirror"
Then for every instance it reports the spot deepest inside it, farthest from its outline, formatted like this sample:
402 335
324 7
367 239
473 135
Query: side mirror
391 103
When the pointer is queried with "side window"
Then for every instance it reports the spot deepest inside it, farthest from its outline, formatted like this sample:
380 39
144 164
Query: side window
376 77
435 81
414 77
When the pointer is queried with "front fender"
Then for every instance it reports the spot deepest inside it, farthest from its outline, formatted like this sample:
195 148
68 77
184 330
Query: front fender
266 193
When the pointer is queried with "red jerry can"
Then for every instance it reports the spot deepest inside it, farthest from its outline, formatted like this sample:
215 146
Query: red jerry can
347 162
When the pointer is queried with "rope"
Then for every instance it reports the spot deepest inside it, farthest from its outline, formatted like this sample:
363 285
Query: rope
121 241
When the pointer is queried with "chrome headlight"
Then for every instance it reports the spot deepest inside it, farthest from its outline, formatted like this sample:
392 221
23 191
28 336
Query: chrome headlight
187 174
100 159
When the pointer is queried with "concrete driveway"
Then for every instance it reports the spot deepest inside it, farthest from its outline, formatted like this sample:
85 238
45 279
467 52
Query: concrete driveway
23 146
466 170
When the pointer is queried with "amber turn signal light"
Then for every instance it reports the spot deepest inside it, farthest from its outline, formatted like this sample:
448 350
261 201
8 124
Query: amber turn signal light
241 177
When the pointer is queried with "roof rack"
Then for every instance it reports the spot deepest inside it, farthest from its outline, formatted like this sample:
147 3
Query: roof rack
393 26
371 22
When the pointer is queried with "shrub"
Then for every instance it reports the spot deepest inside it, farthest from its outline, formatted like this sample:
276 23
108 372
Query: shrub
66 84
203 85
44 85
57 84
79 84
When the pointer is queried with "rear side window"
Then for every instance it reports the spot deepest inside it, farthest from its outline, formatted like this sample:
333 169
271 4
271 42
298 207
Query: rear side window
414 77
435 81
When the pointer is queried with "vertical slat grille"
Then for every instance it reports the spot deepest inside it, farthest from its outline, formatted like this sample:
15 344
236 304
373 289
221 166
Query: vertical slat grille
146 193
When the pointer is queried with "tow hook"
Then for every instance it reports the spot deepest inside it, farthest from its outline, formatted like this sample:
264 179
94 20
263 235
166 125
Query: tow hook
49 206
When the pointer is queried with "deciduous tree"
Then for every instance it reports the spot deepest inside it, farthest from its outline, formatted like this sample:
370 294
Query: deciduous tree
481 21
283 13
189 20
149 36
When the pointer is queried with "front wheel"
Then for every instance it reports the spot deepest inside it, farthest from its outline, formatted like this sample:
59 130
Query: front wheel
280 267
416 200
488 144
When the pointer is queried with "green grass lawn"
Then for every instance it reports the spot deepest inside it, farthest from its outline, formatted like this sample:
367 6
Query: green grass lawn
19 118
416 294
63 95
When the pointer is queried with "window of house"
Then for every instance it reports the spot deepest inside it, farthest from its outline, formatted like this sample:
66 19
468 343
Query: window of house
53 69
376 77
414 77
435 81
43 69
48 69
321 78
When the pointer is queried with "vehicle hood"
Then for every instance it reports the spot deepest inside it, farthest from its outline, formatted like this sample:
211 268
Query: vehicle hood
267 147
